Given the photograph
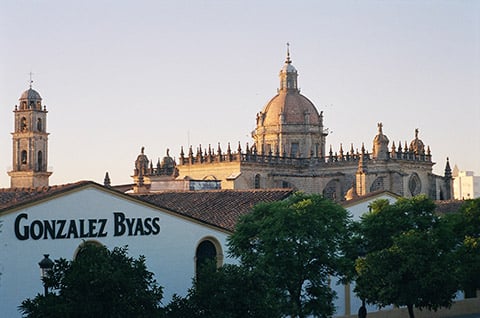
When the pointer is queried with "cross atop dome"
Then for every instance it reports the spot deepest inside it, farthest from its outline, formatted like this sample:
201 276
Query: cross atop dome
31 80
288 60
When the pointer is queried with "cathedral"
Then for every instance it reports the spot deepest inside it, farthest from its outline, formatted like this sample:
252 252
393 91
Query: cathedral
289 151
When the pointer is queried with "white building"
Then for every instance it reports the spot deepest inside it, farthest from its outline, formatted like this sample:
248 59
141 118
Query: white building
347 303
58 220
465 184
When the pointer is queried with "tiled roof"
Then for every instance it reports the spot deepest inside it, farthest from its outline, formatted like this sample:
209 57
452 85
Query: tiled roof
12 197
449 206
218 207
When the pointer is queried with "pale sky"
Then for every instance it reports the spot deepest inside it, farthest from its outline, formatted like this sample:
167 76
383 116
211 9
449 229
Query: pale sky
119 75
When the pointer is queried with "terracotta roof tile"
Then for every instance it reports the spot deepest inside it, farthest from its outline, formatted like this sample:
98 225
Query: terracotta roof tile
448 206
218 207
12 197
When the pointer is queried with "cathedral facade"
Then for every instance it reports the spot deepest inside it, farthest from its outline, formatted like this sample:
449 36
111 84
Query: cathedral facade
289 151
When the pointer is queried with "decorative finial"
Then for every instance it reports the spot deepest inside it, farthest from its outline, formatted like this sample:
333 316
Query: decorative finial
416 133
143 149
106 180
288 54
380 126
31 80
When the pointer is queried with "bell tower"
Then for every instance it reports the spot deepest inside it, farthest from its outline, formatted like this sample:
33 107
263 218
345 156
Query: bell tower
30 143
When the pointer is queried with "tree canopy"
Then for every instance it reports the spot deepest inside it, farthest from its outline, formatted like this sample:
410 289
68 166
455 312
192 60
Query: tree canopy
466 228
409 260
230 291
297 245
97 283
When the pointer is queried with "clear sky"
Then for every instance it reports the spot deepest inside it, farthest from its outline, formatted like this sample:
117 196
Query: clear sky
119 75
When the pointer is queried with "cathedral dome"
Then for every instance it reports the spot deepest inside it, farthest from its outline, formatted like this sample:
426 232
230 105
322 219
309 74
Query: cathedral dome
290 108
290 124
30 94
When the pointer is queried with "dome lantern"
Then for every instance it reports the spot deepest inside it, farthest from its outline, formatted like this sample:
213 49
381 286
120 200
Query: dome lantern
288 74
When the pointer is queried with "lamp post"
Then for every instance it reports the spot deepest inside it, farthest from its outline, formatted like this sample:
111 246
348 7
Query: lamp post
46 265
362 311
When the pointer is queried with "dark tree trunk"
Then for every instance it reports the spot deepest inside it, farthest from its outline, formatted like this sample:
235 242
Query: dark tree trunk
410 311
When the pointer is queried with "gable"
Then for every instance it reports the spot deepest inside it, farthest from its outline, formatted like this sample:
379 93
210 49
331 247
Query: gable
59 223
360 206
84 198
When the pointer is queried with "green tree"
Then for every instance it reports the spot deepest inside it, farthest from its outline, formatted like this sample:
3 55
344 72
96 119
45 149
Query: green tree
409 260
466 226
98 283
297 244
229 292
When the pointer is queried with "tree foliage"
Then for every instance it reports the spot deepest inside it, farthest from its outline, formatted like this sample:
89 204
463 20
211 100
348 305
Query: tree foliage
98 283
466 227
409 260
230 291
297 244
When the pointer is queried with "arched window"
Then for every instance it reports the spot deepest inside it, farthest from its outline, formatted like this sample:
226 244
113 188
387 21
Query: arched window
23 157
40 161
332 190
286 185
414 184
295 150
257 181
78 251
377 185
39 124
208 253
23 124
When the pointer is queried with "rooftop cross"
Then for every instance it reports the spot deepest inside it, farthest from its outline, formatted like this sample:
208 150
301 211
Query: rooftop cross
288 53
31 80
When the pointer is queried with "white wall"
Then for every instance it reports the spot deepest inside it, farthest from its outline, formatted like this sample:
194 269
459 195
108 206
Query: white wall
170 254
357 209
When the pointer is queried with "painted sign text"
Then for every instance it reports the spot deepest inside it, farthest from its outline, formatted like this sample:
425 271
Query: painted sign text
84 228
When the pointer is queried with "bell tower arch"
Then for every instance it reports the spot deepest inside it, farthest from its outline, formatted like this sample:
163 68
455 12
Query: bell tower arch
30 143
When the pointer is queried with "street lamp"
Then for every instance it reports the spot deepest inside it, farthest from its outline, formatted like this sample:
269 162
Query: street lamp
46 265
362 311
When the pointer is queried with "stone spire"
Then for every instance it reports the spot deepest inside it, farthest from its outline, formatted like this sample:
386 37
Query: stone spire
448 170
448 181
106 180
